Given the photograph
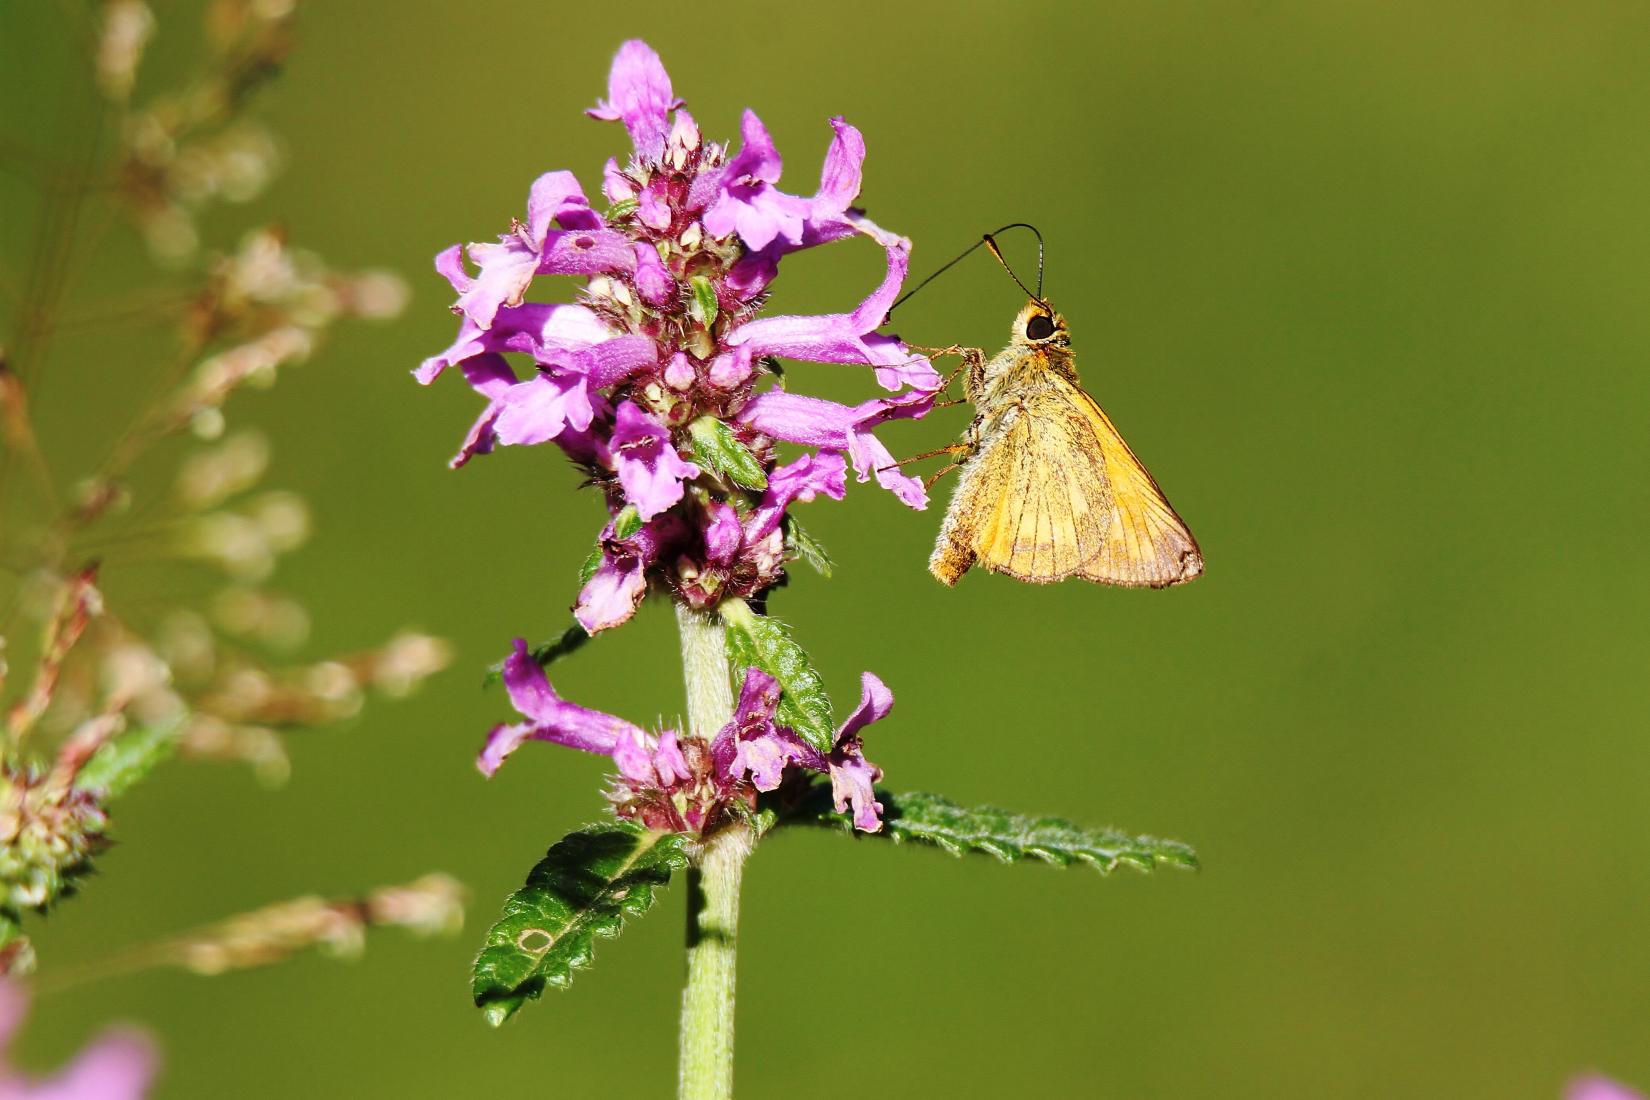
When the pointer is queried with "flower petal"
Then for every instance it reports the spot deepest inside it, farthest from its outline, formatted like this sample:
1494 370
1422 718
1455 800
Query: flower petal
619 583
610 597
723 535
841 176
557 196
612 361
639 95
1595 1087
653 281
835 337
584 252
649 468
615 185
506 269
800 480
549 716
118 1066
537 410
853 783
875 703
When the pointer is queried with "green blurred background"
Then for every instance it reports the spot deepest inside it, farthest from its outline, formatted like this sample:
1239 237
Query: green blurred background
1364 283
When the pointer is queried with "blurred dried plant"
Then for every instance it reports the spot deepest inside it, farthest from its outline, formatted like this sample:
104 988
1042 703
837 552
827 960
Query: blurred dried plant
93 692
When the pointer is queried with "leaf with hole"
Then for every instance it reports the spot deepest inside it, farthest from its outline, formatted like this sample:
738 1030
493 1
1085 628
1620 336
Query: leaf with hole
584 888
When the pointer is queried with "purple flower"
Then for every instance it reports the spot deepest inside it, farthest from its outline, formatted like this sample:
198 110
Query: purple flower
1596 1087
650 470
846 337
676 781
118 1066
614 590
755 748
803 479
815 422
666 330
549 717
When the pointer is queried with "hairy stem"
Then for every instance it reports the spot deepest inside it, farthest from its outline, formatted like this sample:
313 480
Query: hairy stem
713 885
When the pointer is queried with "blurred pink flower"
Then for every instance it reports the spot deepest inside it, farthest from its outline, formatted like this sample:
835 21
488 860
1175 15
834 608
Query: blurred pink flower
118 1066
1596 1087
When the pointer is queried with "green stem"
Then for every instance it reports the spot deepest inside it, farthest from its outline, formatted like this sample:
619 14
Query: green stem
713 884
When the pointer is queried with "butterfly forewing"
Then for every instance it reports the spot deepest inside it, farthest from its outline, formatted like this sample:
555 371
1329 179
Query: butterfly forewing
1147 545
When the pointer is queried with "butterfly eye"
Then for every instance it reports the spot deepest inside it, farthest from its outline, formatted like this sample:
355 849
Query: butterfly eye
1039 327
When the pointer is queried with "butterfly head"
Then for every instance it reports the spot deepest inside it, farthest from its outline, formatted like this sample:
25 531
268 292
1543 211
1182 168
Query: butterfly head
1039 326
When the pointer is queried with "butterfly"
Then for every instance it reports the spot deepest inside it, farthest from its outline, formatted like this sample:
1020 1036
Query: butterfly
1048 488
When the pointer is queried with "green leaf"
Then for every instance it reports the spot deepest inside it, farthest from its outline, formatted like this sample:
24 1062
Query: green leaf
931 819
803 545
757 640
627 522
621 209
590 566
546 653
715 445
585 887
127 759
703 307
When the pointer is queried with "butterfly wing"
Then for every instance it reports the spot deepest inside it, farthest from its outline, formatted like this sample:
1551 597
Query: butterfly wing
1033 500
1147 545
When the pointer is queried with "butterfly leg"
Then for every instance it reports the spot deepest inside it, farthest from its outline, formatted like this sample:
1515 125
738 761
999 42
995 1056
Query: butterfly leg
950 449
928 482
973 362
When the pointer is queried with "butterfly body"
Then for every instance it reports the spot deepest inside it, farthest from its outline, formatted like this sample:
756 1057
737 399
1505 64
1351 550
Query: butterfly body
1048 488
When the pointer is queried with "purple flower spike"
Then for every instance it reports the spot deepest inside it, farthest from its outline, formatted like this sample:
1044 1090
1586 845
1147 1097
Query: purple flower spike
649 468
639 95
665 332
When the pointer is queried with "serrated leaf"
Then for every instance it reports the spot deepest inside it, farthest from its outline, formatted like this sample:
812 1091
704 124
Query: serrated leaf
125 760
766 643
715 445
627 522
703 306
931 819
584 887
803 545
546 653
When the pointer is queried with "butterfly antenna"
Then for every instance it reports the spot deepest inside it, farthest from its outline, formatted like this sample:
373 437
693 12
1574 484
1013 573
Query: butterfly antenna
989 240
